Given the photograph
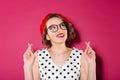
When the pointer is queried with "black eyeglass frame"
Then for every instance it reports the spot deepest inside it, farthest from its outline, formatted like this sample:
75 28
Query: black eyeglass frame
59 25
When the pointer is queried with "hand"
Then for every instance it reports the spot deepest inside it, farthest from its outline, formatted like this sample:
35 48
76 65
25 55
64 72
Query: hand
28 56
89 53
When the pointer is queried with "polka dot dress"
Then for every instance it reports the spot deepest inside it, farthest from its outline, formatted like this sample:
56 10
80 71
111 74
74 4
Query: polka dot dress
69 71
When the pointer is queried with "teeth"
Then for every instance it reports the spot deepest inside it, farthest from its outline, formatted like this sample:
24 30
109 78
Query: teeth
60 35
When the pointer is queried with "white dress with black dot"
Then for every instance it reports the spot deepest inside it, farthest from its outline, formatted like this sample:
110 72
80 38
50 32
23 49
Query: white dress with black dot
69 71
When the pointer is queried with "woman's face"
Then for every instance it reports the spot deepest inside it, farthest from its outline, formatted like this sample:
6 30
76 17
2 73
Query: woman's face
56 30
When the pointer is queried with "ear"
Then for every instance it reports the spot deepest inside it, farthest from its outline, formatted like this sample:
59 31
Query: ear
47 37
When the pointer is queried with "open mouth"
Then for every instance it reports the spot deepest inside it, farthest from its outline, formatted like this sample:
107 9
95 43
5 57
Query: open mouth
60 35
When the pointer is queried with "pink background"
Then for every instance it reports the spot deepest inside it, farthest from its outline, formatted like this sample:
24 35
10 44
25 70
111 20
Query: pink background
96 21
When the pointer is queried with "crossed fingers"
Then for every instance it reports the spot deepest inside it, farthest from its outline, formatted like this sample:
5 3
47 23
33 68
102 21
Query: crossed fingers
88 49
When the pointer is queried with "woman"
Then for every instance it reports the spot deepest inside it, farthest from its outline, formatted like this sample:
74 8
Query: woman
57 61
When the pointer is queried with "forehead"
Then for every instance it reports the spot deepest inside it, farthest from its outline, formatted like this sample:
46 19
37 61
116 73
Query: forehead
54 20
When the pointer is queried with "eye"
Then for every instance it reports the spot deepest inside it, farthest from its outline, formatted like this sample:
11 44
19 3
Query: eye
62 24
52 27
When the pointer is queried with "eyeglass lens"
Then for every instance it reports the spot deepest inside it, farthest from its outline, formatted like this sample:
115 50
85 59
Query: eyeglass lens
54 27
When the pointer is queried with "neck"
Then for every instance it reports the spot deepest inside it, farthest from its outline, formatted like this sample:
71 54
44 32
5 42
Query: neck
58 48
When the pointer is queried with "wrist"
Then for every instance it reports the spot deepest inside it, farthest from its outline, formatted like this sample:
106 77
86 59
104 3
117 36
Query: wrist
92 65
92 62
28 72
27 67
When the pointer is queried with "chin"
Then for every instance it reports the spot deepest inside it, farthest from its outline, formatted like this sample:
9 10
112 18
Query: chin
60 41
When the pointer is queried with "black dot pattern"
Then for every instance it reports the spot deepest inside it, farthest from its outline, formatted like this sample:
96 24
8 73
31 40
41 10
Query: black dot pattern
69 71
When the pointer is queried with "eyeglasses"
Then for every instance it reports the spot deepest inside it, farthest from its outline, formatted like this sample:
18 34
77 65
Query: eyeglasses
54 27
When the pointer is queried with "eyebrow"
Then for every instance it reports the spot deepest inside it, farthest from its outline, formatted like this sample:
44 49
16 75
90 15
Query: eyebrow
56 24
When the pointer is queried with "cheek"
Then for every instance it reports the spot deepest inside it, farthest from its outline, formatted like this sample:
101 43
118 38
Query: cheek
51 35
66 32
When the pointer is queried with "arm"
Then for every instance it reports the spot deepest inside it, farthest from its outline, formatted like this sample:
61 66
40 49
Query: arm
92 71
83 69
90 58
28 63
32 72
28 73
36 73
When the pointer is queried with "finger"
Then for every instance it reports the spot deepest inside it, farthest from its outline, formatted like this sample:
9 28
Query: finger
90 51
87 47
88 44
30 46
92 55
29 49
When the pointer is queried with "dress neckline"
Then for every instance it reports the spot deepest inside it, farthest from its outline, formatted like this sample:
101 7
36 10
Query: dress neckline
65 63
